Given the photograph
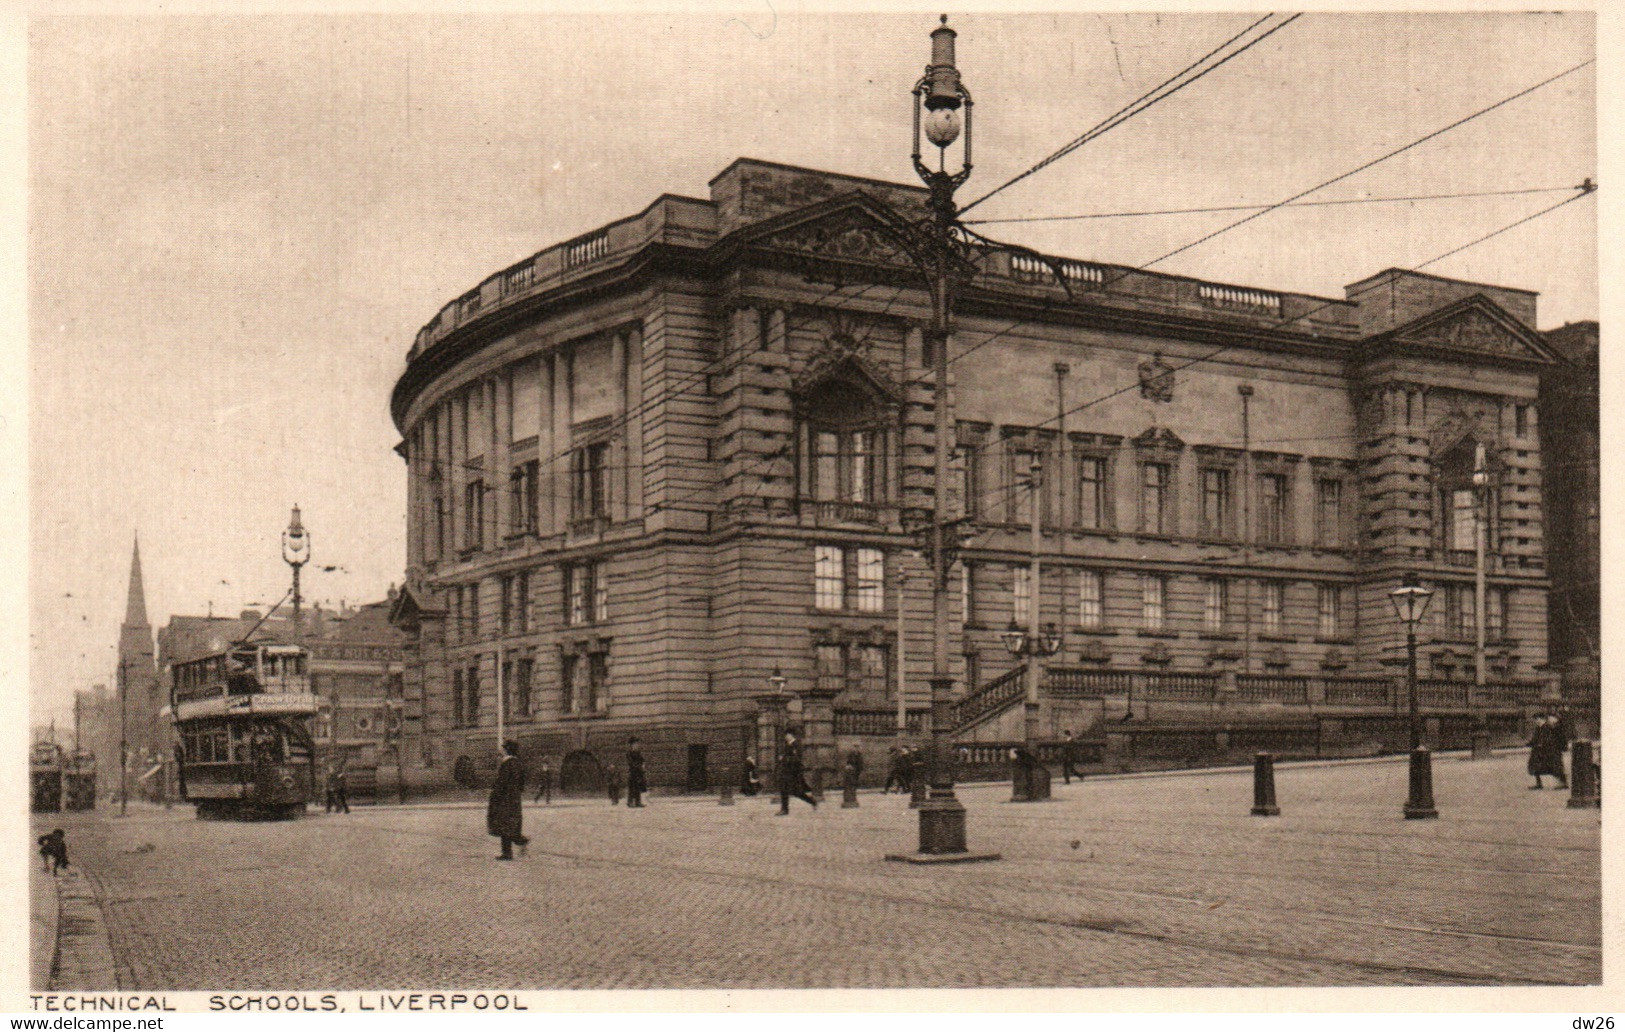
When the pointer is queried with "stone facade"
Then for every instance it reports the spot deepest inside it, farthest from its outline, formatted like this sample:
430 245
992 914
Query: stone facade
652 466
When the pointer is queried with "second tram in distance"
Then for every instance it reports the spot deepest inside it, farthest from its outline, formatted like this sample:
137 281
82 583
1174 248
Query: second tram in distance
242 720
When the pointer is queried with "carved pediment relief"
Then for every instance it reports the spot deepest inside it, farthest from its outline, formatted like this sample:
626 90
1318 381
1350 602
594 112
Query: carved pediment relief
840 377
1159 437
1474 325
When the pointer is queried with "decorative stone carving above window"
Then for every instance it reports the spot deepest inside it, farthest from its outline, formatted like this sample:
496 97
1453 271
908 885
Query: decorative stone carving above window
1156 379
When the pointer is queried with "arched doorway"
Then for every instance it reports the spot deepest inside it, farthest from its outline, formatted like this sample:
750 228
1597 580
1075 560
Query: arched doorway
580 772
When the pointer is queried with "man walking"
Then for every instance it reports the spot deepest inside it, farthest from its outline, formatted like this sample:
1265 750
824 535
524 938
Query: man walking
341 790
636 782
1069 756
791 780
504 813
544 784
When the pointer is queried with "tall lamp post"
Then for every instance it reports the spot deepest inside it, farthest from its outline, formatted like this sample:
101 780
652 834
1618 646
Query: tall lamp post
939 99
296 553
1411 604
1031 643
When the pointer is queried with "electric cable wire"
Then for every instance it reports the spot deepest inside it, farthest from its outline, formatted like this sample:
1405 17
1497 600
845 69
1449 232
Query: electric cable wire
1141 103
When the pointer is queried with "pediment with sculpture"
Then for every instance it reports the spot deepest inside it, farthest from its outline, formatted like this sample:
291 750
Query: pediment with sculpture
1475 325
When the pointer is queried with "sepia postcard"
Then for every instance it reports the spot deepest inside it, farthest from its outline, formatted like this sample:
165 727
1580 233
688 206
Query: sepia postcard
715 500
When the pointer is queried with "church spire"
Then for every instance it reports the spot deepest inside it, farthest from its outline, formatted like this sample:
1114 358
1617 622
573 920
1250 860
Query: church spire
135 609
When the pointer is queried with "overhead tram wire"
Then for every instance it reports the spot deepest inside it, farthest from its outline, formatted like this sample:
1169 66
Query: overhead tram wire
1052 306
1261 207
1146 100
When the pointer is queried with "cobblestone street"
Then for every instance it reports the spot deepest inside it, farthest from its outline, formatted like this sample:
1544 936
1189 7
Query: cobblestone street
1145 881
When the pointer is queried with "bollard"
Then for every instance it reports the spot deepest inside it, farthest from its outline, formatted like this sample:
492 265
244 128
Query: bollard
849 788
1481 745
1264 786
727 796
917 791
1583 787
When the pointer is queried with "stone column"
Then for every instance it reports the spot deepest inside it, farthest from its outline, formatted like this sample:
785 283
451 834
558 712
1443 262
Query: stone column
818 736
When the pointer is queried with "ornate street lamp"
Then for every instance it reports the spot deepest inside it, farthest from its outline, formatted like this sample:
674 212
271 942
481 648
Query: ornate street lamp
1411 604
942 108
296 553
779 682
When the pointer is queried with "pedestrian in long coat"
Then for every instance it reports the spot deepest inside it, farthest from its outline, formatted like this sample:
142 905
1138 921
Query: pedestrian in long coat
1069 759
637 782
504 813
792 780
894 770
1546 753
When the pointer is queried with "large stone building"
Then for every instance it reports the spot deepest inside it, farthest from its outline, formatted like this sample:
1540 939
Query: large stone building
1570 435
652 466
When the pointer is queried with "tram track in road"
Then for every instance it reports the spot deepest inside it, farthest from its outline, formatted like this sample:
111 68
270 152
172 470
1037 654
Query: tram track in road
1104 926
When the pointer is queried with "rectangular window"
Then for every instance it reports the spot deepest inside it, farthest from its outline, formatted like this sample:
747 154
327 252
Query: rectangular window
569 698
1216 607
440 526
1021 595
523 670
871 571
474 515
1496 603
1273 507
1021 494
524 497
471 681
1091 493
457 691
505 689
1461 620
597 682
973 670
1329 513
1331 610
970 480
967 592
1216 503
1153 602
846 465
522 601
873 670
472 605
586 593
1274 601
830 667
454 626
829 578
1091 599
1154 514
588 497
505 616
1520 415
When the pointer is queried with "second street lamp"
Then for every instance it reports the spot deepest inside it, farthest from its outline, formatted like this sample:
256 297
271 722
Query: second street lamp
1410 601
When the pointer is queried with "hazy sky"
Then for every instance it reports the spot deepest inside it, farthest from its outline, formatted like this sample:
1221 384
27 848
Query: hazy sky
237 224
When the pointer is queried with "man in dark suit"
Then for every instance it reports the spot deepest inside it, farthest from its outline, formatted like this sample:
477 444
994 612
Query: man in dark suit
504 813
636 781
1069 757
791 779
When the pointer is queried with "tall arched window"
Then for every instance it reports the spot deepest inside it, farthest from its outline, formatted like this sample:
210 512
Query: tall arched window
844 437
1456 503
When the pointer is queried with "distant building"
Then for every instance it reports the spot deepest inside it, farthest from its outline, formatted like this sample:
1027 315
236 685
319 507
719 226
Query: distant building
137 683
96 710
355 668
1570 437
653 465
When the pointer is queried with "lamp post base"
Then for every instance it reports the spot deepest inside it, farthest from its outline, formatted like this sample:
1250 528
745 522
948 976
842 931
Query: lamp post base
1420 804
1029 784
942 833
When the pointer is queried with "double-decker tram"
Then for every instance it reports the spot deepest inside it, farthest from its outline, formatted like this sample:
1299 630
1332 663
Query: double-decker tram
79 779
45 777
242 721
